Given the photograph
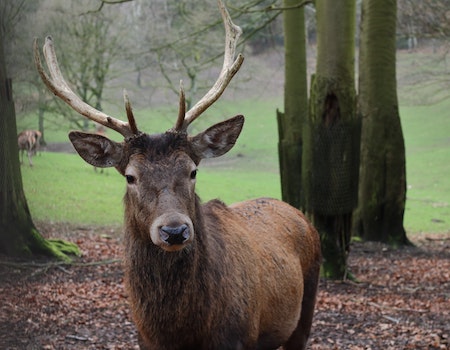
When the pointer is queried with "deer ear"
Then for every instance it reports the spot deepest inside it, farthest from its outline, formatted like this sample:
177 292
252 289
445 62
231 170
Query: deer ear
96 150
217 139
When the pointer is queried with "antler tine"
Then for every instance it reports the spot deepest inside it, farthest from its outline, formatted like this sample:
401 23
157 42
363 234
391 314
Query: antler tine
230 67
181 110
56 83
130 116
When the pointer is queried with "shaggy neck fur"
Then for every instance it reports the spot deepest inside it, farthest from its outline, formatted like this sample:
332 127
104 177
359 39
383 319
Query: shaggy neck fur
173 281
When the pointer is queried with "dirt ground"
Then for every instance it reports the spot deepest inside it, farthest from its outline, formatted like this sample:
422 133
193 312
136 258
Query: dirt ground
402 300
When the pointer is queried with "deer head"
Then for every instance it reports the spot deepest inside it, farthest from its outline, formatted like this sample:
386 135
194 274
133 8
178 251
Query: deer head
160 170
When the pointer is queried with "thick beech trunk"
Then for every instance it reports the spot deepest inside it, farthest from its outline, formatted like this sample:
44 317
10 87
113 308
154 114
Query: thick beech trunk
290 123
331 156
382 189
18 235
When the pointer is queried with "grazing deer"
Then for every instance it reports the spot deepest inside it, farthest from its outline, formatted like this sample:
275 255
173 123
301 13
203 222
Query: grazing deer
201 276
29 141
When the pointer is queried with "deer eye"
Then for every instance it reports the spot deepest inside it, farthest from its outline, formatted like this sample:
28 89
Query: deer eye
193 174
130 179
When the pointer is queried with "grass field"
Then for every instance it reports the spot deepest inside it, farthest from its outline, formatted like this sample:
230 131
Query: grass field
61 187
427 139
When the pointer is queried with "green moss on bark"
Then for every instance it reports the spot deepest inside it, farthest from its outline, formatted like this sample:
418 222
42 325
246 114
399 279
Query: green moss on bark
27 242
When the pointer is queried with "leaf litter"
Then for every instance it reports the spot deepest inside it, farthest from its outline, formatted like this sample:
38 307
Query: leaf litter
401 299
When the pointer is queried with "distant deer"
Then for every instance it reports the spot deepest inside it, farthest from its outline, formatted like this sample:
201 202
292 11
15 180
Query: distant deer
201 276
29 141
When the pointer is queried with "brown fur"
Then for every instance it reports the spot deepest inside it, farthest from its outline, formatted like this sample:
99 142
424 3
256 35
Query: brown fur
246 278
100 130
239 286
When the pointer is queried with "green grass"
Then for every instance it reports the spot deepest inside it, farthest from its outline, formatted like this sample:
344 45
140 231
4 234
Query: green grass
62 187
234 186
427 140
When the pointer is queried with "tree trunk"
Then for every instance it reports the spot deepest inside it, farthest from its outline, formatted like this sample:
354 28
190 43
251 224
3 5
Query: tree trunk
295 104
18 235
382 189
331 155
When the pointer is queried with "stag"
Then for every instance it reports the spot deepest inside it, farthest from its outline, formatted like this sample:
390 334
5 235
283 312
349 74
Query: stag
200 276
29 141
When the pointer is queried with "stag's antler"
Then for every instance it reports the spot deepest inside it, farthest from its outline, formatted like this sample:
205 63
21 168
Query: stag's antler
56 83
229 69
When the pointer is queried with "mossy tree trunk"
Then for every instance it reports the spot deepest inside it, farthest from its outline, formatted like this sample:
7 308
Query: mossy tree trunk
290 122
382 188
331 154
18 234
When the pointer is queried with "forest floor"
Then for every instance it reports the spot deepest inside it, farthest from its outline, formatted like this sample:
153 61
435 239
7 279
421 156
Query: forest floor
402 299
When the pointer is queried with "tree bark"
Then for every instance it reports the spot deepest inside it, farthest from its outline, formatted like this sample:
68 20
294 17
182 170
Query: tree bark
382 189
18 234
295 104
331 155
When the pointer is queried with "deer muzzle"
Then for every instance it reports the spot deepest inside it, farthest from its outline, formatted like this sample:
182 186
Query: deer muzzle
172 231
174 235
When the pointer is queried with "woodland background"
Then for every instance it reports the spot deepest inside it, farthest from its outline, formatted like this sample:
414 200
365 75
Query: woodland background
401 299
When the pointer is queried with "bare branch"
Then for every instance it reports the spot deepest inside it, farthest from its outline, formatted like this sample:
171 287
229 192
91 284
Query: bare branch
107 2
274 8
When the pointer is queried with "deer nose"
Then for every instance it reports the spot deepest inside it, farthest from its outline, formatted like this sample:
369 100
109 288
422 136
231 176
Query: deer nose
174 235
